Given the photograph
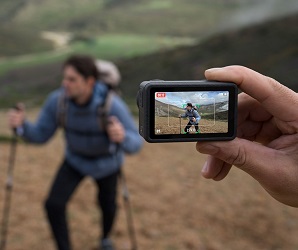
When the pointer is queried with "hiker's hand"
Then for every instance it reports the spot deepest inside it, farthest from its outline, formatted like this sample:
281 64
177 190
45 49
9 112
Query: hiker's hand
16 116
115 130
267 142
179 116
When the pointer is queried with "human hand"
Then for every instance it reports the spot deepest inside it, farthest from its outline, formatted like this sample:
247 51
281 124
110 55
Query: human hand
266 146
115 130
16 116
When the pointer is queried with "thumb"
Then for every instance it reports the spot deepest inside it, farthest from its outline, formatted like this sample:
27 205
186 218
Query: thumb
253 158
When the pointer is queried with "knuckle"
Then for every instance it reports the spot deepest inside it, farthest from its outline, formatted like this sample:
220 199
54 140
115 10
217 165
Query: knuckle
237 157
236 68
275 84
243 97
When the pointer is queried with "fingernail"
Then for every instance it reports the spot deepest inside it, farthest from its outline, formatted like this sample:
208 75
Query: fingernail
213 70
205 167
208 149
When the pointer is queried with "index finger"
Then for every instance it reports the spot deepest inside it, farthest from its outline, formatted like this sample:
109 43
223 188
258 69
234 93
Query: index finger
276 98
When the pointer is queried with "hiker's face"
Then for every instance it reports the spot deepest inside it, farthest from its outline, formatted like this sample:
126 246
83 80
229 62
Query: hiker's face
75 84
188 108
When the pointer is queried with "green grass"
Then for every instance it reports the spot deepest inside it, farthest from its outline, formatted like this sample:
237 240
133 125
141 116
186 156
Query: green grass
184 18
127 45
9 139
108 46
55 13
156 5
20 41
11 63
23 21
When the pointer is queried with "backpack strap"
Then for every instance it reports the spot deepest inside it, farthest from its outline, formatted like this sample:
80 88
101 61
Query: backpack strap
104 109
62 110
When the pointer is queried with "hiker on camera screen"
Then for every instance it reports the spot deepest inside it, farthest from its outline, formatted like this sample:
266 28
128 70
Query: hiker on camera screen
98 128
193 116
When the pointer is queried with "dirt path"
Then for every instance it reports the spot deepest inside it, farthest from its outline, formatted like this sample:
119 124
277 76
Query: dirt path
60 39
171 125
174 208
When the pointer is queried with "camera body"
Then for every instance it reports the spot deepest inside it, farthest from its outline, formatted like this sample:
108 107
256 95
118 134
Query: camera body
185 111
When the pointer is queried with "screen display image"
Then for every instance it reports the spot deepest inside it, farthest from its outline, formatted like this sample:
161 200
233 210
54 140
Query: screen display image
191 112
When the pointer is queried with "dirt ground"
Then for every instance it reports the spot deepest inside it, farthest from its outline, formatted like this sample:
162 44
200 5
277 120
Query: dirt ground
172 125
174 207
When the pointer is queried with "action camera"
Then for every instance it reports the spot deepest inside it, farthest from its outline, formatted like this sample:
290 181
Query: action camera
185 111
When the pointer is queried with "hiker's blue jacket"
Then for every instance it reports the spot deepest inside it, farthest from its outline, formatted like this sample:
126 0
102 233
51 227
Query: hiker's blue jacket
88 148
192 114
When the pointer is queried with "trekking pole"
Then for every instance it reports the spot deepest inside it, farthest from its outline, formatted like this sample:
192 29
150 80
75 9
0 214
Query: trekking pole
128 210
8 192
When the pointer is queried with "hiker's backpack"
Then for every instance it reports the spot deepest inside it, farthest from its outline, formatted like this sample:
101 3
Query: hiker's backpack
194 108
109 75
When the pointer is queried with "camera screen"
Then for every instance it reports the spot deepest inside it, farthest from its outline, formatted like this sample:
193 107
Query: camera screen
191 112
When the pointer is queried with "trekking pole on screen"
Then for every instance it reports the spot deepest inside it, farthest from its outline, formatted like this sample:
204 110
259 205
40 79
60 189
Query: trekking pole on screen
8 190
180 124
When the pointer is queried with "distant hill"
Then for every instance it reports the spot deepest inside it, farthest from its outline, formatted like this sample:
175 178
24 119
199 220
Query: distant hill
223 116
163 109
271 48
23 20
205 111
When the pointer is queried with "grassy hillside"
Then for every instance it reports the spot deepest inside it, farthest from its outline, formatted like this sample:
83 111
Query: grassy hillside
223 116
165 110
115 15
20 41
109 46
271 48
24 20
86 19
205 111
178 17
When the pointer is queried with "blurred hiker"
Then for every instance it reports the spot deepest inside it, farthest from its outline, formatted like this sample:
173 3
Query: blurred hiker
267 142
95 142
193 118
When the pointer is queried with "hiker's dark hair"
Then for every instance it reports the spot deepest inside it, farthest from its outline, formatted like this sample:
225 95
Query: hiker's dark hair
84 64
189 104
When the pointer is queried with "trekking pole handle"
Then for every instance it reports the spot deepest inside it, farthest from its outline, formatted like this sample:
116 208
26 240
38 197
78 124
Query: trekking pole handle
16 107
